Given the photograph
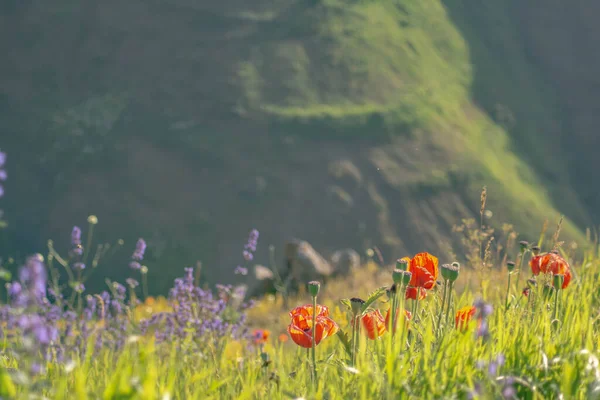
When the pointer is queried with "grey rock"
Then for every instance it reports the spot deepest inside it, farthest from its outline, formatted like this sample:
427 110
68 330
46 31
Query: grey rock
345 260
304 263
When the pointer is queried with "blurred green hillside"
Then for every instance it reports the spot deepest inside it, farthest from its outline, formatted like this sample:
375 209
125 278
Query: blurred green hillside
346 123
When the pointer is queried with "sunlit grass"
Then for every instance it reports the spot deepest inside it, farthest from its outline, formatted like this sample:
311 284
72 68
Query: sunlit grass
545 358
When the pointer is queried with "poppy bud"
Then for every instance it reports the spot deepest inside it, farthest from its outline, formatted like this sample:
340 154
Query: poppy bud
356 304
391 290
450 271
402 265
536 250
313 288
264 356
554 251
510 266
524 245
401 277
531 282
548 291
559 279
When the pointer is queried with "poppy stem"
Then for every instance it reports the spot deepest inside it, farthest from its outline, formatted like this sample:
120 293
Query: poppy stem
449 301
443 304
507 292
313 350
555 303
520 268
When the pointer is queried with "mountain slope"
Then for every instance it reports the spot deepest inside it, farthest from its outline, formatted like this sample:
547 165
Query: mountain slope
346 123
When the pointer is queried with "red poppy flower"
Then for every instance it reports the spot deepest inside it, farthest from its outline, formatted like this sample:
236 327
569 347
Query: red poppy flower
260 336
424 269
373 324
463 316
551 263
526 292
411 293
407 317
300 328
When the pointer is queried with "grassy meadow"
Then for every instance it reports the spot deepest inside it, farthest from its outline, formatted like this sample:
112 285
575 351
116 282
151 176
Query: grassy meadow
488 329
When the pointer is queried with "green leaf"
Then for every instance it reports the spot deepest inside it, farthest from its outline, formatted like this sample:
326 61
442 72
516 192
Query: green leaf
346 302
343 336
7 387
373 297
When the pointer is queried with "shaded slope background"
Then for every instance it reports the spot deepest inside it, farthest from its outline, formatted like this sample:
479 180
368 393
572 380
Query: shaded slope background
346 123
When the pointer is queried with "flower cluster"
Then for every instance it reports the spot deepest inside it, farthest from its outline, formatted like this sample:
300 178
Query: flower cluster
3 174
248 253
45 327
197 313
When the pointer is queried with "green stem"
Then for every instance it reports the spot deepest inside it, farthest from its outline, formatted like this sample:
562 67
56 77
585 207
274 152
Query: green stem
88 243
313 352
555 304
520 268
507 293
443 304
449 301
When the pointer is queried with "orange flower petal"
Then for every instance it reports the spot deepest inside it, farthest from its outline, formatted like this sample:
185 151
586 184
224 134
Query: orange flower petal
373 324
424 269
463 316
411 293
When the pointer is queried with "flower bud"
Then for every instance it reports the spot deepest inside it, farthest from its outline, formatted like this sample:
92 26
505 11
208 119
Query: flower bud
356 304
548 291
313 288
558 281
401 277
536 250
524 245
531 282
402 265
510 266
92 220
450 271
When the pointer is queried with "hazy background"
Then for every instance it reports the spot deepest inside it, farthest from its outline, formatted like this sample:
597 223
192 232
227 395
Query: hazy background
345 123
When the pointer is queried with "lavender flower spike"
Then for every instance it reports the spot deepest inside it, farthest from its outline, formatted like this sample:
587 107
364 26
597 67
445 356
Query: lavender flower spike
140 249
76 236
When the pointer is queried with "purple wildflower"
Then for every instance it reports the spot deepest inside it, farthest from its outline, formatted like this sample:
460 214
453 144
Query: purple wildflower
33 279
78 266
140 249
241 270
495 365
132 283
76 236
248 256
252 241
3 174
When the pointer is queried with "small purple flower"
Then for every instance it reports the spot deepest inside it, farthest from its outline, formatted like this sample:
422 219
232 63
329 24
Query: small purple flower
140 249
14 289
135 265
241 270
76 236
79 266
132 283
36 369
2 159
250 246
120 289
79 287
483 330
3 175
